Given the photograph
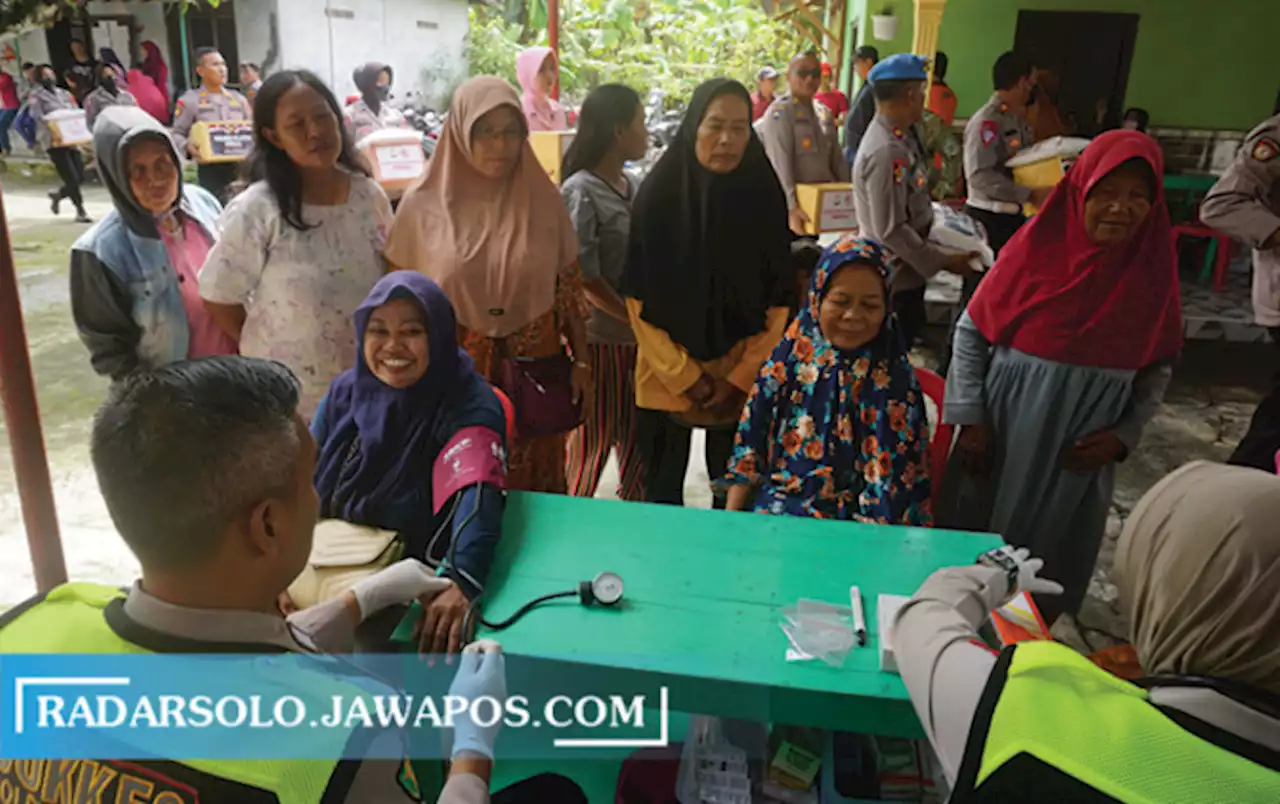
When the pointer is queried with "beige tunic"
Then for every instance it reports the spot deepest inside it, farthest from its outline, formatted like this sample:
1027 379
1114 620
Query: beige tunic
800 140
1245 203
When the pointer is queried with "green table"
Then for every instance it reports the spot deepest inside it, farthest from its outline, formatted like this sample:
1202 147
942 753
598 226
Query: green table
704 590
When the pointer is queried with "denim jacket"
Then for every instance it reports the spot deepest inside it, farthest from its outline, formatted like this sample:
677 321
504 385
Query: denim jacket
124 290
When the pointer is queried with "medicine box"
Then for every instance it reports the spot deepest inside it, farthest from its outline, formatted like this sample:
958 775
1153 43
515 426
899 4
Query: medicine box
396 157
550 147
887 607
829 206
68 127
222 140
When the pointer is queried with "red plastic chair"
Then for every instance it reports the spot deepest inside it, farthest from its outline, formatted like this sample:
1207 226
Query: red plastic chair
935 388
1222 244
508 410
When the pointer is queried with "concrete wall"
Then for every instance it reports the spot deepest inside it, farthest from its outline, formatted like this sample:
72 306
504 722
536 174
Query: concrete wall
412 36
148 17
255 23
1195 64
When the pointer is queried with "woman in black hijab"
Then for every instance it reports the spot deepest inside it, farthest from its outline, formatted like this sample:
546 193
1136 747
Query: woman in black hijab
707 285
372 111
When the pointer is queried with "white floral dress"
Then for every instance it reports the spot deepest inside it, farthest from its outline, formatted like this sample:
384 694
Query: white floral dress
300 288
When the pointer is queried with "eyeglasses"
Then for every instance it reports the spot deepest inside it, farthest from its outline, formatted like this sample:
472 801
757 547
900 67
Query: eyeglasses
808 73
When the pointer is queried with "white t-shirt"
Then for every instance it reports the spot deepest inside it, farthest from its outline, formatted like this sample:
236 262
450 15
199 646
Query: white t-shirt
300 288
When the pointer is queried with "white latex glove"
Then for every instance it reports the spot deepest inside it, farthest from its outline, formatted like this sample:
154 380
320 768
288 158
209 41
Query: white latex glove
403 582
481 673
1027 577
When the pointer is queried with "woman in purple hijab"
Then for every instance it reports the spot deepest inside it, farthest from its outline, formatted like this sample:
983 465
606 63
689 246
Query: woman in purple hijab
413 440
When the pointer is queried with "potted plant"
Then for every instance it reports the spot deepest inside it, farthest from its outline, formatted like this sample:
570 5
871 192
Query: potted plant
884 25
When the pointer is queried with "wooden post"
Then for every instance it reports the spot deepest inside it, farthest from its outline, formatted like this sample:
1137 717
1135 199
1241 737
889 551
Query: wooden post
928 18
22 422
553 40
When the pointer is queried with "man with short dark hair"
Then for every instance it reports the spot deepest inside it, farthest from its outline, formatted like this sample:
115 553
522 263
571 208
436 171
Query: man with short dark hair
210 102
250 79
206 468
800 137
766 81
891 189
995 134
862 110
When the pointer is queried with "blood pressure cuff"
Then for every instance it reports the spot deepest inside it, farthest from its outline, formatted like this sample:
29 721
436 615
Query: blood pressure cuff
474 455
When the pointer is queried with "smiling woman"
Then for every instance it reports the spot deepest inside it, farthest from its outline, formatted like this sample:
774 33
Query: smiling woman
1060 360
303 244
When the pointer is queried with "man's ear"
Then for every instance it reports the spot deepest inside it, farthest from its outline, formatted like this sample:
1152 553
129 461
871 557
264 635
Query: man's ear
263 521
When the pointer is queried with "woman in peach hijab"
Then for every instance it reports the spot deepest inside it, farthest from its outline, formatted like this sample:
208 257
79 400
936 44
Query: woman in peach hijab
489 227
537 70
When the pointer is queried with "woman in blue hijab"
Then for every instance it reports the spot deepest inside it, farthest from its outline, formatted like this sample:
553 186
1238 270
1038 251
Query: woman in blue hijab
381 430
835 427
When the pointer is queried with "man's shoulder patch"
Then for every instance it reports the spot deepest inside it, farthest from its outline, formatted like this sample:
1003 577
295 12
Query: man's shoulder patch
1265 149
899 170
408 780
989 132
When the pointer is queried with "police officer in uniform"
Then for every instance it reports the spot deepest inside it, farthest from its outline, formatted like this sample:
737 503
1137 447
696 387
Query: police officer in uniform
220 530
994 134
891 188
800 137
210 102
1245 203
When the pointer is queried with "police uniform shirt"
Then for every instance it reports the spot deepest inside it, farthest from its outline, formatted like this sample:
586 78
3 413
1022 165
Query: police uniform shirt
892 201
361 121
100 99
1245 203
203 105
991 137
323 628
800 141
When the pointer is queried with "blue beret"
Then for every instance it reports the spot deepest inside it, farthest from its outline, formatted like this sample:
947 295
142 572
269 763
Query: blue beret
900 67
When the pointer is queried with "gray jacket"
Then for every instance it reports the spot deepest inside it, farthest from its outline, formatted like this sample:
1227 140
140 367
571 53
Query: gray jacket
125 298
100 99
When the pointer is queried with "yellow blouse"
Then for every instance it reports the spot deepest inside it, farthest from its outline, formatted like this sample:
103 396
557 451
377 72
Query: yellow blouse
665 371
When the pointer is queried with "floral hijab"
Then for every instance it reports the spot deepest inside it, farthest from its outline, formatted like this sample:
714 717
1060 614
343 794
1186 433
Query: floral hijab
833 434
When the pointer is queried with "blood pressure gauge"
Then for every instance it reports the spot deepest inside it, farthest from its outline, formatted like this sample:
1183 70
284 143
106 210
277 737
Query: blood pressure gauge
605 589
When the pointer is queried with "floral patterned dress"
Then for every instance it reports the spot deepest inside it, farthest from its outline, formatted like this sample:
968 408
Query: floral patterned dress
535 464
833 434
300 288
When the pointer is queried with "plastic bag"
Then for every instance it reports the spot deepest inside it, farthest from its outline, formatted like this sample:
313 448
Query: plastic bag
818 630
712 769
955 231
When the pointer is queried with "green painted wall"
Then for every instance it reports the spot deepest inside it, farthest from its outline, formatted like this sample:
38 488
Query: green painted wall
1195 63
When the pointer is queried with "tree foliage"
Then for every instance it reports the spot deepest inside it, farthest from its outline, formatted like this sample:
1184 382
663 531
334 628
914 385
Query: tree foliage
672 45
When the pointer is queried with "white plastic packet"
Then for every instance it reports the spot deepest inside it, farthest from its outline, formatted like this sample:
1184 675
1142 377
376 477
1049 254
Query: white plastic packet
818 630
955 231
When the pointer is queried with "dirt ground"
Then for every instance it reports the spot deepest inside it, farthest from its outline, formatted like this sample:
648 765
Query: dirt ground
1214 390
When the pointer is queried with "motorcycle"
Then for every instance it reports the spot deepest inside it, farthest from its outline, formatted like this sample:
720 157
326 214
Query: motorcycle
421 117
662 124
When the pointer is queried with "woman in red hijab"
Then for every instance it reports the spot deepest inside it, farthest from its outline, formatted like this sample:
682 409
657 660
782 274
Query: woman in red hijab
153 65
1061 358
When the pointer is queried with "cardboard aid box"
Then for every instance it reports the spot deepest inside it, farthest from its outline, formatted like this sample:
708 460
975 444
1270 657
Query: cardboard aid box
68 127
1045 163
550 147
396 156
829 206
221 140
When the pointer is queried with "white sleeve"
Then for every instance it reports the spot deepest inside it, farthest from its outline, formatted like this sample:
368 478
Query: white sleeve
943 663
234 266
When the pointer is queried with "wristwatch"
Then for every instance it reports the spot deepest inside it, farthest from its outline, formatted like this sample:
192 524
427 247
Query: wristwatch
999 558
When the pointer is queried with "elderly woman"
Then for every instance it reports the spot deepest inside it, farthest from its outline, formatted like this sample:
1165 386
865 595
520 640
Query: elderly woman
134 294
372 111
708 283
1060 360
835 427
1197 567
303 244
538 71
384 424
489 227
